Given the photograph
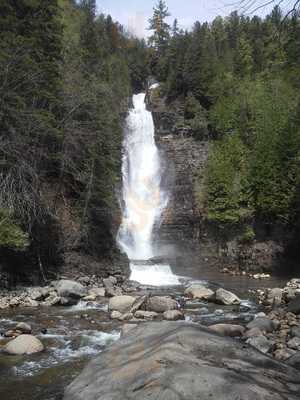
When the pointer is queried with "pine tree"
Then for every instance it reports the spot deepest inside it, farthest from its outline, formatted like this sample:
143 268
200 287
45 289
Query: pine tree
175 29
161 28
244 58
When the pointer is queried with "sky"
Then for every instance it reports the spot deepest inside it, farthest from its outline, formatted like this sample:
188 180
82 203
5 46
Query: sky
134 14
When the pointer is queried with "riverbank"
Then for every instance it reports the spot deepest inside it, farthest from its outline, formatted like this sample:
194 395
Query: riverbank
88 314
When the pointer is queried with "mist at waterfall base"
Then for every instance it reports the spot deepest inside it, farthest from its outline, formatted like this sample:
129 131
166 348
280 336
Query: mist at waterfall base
143 199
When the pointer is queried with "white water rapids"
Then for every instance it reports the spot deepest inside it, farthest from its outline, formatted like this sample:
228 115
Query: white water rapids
143 198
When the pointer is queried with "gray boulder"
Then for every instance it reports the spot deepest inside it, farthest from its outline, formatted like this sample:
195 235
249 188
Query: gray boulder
161 304
181 361
122 304
261 343
24 344
199 292
67 288
263 324
227 298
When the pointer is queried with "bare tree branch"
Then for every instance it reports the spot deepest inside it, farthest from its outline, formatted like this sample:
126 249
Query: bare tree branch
252 6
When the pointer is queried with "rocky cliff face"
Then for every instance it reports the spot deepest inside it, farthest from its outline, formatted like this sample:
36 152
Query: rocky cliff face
183 163
184 225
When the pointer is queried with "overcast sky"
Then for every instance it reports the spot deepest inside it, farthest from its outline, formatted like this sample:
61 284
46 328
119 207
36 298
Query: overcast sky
134 14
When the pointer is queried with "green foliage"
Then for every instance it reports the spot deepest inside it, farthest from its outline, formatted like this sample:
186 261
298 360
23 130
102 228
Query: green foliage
244 58
159 26
11 235
248 234
196 117
227 192
65 80
159 39
260 111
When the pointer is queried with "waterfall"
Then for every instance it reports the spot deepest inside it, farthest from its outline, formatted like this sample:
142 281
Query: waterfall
143 197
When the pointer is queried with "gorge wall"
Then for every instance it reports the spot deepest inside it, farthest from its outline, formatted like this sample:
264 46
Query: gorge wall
185 228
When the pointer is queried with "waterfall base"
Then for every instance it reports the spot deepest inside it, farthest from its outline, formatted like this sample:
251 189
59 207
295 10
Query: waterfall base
154 275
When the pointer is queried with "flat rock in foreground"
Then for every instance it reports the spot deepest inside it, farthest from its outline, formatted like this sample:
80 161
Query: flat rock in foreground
178 361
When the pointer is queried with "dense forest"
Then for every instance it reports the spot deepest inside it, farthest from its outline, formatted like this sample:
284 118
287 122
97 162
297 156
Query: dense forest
66 78
239 79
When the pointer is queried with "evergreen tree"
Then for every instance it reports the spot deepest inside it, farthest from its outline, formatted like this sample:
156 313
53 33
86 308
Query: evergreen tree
244 58
161 28
175 29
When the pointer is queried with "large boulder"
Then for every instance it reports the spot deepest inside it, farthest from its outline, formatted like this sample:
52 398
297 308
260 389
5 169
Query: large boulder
24 344
264 324
122 304
161 304
67 288
227 298
181 361
199 292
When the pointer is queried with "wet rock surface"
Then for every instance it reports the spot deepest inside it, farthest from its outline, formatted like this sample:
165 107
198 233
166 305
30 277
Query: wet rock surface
161 304
199 292
174 360
227 298
24 344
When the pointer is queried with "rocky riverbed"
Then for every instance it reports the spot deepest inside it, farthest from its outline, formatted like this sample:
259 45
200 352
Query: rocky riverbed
49 333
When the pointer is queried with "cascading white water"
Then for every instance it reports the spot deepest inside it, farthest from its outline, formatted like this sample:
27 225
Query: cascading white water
143 198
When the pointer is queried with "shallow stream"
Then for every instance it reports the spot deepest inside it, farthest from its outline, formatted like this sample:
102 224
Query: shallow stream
76 334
